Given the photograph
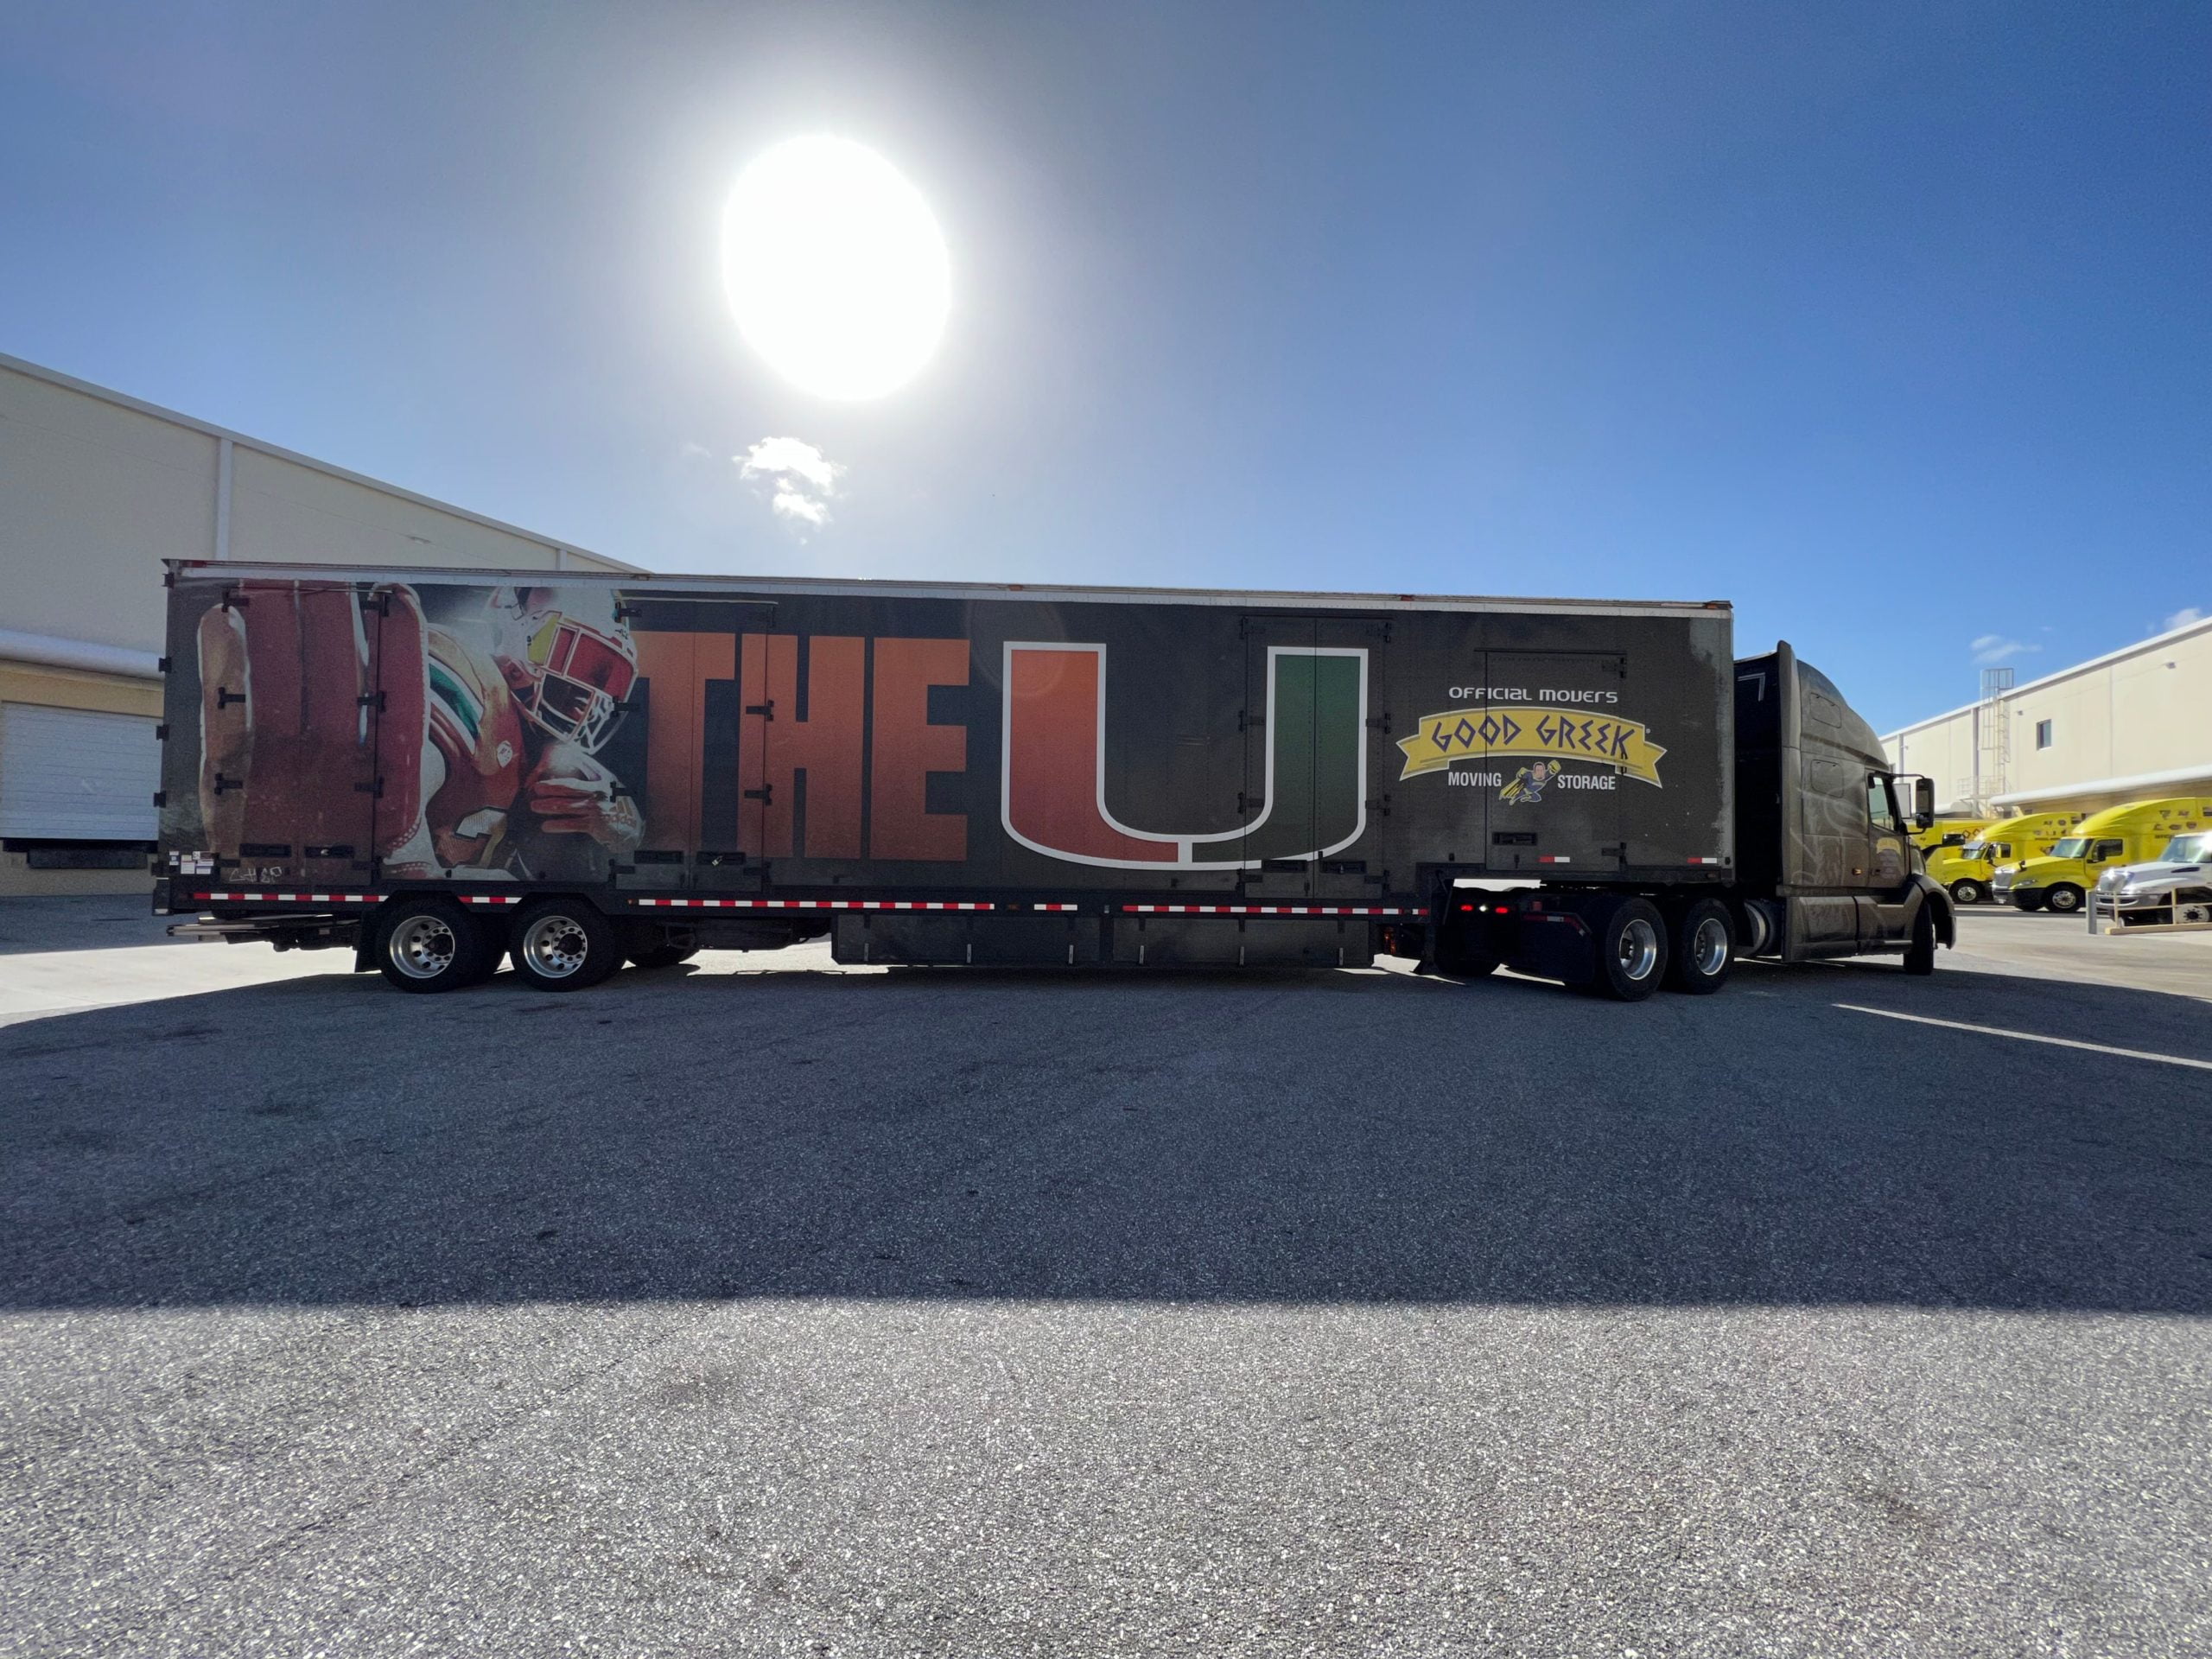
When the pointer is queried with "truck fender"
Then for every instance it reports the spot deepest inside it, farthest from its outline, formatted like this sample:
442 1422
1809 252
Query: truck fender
1946 916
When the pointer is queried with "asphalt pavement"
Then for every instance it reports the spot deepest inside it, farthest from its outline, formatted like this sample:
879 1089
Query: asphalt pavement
764 1306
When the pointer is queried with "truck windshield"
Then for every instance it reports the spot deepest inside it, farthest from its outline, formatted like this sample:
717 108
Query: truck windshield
2188 849
2072 846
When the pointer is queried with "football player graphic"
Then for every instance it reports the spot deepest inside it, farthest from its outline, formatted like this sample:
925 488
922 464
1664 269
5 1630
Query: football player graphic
515 717
484 743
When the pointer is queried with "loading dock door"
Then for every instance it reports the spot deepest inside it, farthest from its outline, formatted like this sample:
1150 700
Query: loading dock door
76 774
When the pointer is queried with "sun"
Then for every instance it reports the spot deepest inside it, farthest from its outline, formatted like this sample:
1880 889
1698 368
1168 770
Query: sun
835 267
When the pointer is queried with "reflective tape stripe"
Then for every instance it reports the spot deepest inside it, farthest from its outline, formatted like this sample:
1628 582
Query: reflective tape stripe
227 898
811 903
1268 910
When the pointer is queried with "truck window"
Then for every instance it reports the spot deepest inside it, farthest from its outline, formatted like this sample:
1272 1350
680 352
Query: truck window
2072 846
2106 849
1879 813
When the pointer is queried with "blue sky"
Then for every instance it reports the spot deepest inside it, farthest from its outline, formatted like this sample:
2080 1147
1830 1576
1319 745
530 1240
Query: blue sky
1893 325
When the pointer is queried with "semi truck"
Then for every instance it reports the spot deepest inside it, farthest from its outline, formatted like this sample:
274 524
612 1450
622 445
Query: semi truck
1968 871
2062 879
439 771
2168 893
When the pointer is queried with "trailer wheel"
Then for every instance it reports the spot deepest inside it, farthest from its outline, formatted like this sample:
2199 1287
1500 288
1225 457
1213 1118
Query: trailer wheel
1920 954
1631 948
2063 896
1704 949
431 944
565 944
1966 893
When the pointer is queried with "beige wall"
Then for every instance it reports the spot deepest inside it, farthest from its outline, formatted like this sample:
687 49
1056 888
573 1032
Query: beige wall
93 497
96 489
2116 723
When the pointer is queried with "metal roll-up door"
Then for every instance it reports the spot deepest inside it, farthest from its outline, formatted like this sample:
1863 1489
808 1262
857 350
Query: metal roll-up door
73 774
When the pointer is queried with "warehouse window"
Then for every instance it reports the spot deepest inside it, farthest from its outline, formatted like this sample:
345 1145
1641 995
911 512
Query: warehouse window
2043 733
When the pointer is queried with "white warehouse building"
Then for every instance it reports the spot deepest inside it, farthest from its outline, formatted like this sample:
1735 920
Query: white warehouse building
2132 725
96 490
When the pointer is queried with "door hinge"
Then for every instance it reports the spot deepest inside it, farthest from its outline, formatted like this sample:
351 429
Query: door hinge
162 733
225 696
1379 803
161 798
373 700
765 710
759 794
1379 723
223 784
1246 720
374 788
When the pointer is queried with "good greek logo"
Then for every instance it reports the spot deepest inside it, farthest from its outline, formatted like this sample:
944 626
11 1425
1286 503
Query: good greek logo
1493 734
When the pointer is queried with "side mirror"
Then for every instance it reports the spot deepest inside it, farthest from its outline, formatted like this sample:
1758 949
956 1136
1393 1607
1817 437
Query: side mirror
1923 801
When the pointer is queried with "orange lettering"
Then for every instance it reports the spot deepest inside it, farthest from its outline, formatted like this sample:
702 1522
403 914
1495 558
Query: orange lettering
907 748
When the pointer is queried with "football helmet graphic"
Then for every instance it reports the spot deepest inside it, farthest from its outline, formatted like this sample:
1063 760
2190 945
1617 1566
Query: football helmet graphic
568 677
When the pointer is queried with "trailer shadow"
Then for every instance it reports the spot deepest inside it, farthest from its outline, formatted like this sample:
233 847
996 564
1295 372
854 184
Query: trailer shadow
1253 1137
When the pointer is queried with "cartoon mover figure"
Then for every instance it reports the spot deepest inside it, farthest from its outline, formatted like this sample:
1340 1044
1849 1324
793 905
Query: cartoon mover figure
1527 787
484 733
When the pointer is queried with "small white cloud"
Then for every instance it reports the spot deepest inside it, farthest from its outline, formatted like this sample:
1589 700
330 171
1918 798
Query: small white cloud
1990 649
693 450
2182 619
797 478
790 504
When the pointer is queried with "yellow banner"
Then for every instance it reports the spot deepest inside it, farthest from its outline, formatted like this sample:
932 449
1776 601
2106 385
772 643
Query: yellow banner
1458 736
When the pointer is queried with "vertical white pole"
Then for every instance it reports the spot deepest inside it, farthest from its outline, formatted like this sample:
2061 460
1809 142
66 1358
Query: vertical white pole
223 459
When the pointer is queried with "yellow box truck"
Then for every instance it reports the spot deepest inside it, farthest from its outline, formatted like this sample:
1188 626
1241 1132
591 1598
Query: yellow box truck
2131 834
1968 870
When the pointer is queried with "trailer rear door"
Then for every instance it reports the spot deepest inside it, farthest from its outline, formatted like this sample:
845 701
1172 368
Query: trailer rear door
1557 808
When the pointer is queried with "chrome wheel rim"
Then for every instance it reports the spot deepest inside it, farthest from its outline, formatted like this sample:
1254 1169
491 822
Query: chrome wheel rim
2063 899
555 946
1709 947
1639 949
422 947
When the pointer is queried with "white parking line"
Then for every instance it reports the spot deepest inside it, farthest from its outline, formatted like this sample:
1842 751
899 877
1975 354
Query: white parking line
2032 1037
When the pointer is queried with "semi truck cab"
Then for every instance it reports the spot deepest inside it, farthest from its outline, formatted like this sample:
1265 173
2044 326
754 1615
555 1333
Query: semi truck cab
2171 894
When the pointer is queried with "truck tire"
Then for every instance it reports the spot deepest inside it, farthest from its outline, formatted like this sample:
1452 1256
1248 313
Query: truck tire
2030 901
1967 891
429 945
1920 954
565 944
1631 949
2062 897
1703 949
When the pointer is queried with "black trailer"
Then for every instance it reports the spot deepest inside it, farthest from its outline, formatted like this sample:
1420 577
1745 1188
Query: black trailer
440 768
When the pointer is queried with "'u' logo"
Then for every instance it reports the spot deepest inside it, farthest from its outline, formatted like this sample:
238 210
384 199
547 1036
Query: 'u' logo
1053 786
